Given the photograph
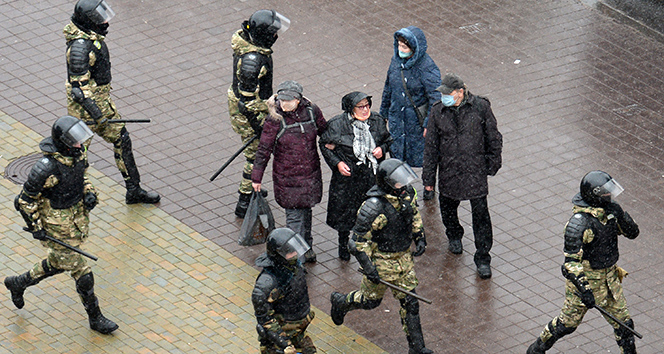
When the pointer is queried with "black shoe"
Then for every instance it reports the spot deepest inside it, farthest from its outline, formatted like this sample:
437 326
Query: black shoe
16 285
428 195
484 271
338 312
536 348
455 246
102 324
421 351
242 205
139 195
344 255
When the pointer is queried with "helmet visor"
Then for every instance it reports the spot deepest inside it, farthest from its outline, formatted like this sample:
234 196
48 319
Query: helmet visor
294 248
401 177
280 24
77 134
101 14
612 187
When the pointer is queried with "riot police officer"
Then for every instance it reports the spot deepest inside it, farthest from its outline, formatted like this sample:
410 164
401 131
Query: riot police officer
252 86
386 226
591 254
281 297
89 89
56 201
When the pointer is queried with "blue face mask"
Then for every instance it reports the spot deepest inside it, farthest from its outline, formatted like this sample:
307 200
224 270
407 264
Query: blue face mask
404 55
448 100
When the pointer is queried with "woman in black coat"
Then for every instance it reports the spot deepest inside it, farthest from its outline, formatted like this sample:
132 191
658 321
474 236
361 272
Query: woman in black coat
355 142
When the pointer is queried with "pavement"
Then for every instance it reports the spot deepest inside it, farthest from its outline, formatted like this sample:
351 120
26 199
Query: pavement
573 90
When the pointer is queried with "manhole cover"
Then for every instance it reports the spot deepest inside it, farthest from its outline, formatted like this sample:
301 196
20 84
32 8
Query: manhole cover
17 171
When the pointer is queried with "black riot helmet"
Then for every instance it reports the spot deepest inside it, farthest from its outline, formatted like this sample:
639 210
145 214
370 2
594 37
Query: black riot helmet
285 246
264 26
597 188
394 175
92 15
68 132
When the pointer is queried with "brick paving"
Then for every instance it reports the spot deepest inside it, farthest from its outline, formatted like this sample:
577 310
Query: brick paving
572 88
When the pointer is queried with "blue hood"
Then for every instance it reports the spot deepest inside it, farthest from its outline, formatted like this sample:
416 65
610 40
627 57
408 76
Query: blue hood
416 39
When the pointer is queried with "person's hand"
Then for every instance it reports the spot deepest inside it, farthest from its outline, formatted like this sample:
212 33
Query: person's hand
290 350
256 186
330 146
373 276
424 134
588 298
39 235
377 152
89 200
615 209
343 169
420 247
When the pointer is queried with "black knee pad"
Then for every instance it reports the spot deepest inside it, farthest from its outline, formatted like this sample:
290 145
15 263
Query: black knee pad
124 142
411 305
371 304
85 284
50 270
626 337
560 330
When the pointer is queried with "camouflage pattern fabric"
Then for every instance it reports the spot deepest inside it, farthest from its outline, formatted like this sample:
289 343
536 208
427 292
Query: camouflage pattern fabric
294 331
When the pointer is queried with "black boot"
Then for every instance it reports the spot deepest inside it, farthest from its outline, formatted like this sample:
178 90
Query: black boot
339 308
537 347
242 205
17 285
412 322
135 194
344 254
99 323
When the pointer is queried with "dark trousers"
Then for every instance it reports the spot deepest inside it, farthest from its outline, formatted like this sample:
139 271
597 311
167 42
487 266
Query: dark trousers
299 220
482 229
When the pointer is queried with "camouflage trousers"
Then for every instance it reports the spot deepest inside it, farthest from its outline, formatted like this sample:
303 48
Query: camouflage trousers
111 133
396 268
241 126
295 332
606 285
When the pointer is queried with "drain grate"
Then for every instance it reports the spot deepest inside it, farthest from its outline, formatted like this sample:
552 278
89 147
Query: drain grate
17 171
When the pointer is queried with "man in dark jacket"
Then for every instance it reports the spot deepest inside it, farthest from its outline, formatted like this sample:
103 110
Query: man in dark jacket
353 145
281 297
464 145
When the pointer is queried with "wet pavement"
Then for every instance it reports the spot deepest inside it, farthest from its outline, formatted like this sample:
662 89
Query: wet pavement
572 88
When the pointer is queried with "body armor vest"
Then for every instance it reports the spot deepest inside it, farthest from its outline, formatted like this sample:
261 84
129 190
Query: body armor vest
293 304
69 189
396 236
248 78
602 251
100 72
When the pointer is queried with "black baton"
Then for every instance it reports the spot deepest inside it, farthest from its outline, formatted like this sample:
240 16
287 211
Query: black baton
123 121
400 289
238 152
77 250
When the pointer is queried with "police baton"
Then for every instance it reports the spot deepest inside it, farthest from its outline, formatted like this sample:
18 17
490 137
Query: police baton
400 289
122 121
77 250
238 152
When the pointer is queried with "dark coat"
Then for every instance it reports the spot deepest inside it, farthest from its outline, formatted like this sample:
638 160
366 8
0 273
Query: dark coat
463 143
422 78
346 194
296 173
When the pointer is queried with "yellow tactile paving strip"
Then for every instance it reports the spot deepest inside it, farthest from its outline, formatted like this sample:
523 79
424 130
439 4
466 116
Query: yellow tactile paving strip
170 289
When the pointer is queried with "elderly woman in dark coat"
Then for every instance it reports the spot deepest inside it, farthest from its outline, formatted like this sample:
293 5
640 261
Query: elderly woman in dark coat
290 133
355 142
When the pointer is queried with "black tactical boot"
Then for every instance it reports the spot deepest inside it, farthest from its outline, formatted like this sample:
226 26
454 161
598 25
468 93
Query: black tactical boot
412 321
17 285
344 254
455 246
136 194
537 347
242 205
339 308
99 323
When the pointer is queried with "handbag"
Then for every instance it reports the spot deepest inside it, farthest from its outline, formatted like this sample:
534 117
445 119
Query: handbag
420 111
258 221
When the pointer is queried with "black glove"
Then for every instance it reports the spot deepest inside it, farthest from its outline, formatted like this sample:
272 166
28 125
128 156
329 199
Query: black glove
372 275
615 209
420 246
89 200
39 235
251 118
588 298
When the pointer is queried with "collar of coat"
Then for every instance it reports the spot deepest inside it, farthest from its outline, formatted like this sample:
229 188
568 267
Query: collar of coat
242 46
72 32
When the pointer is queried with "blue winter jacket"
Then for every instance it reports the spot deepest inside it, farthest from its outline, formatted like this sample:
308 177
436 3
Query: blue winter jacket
422 78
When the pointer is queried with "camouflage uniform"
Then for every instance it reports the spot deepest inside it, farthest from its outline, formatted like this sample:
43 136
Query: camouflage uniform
382 237
253 100
594 226
93 77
